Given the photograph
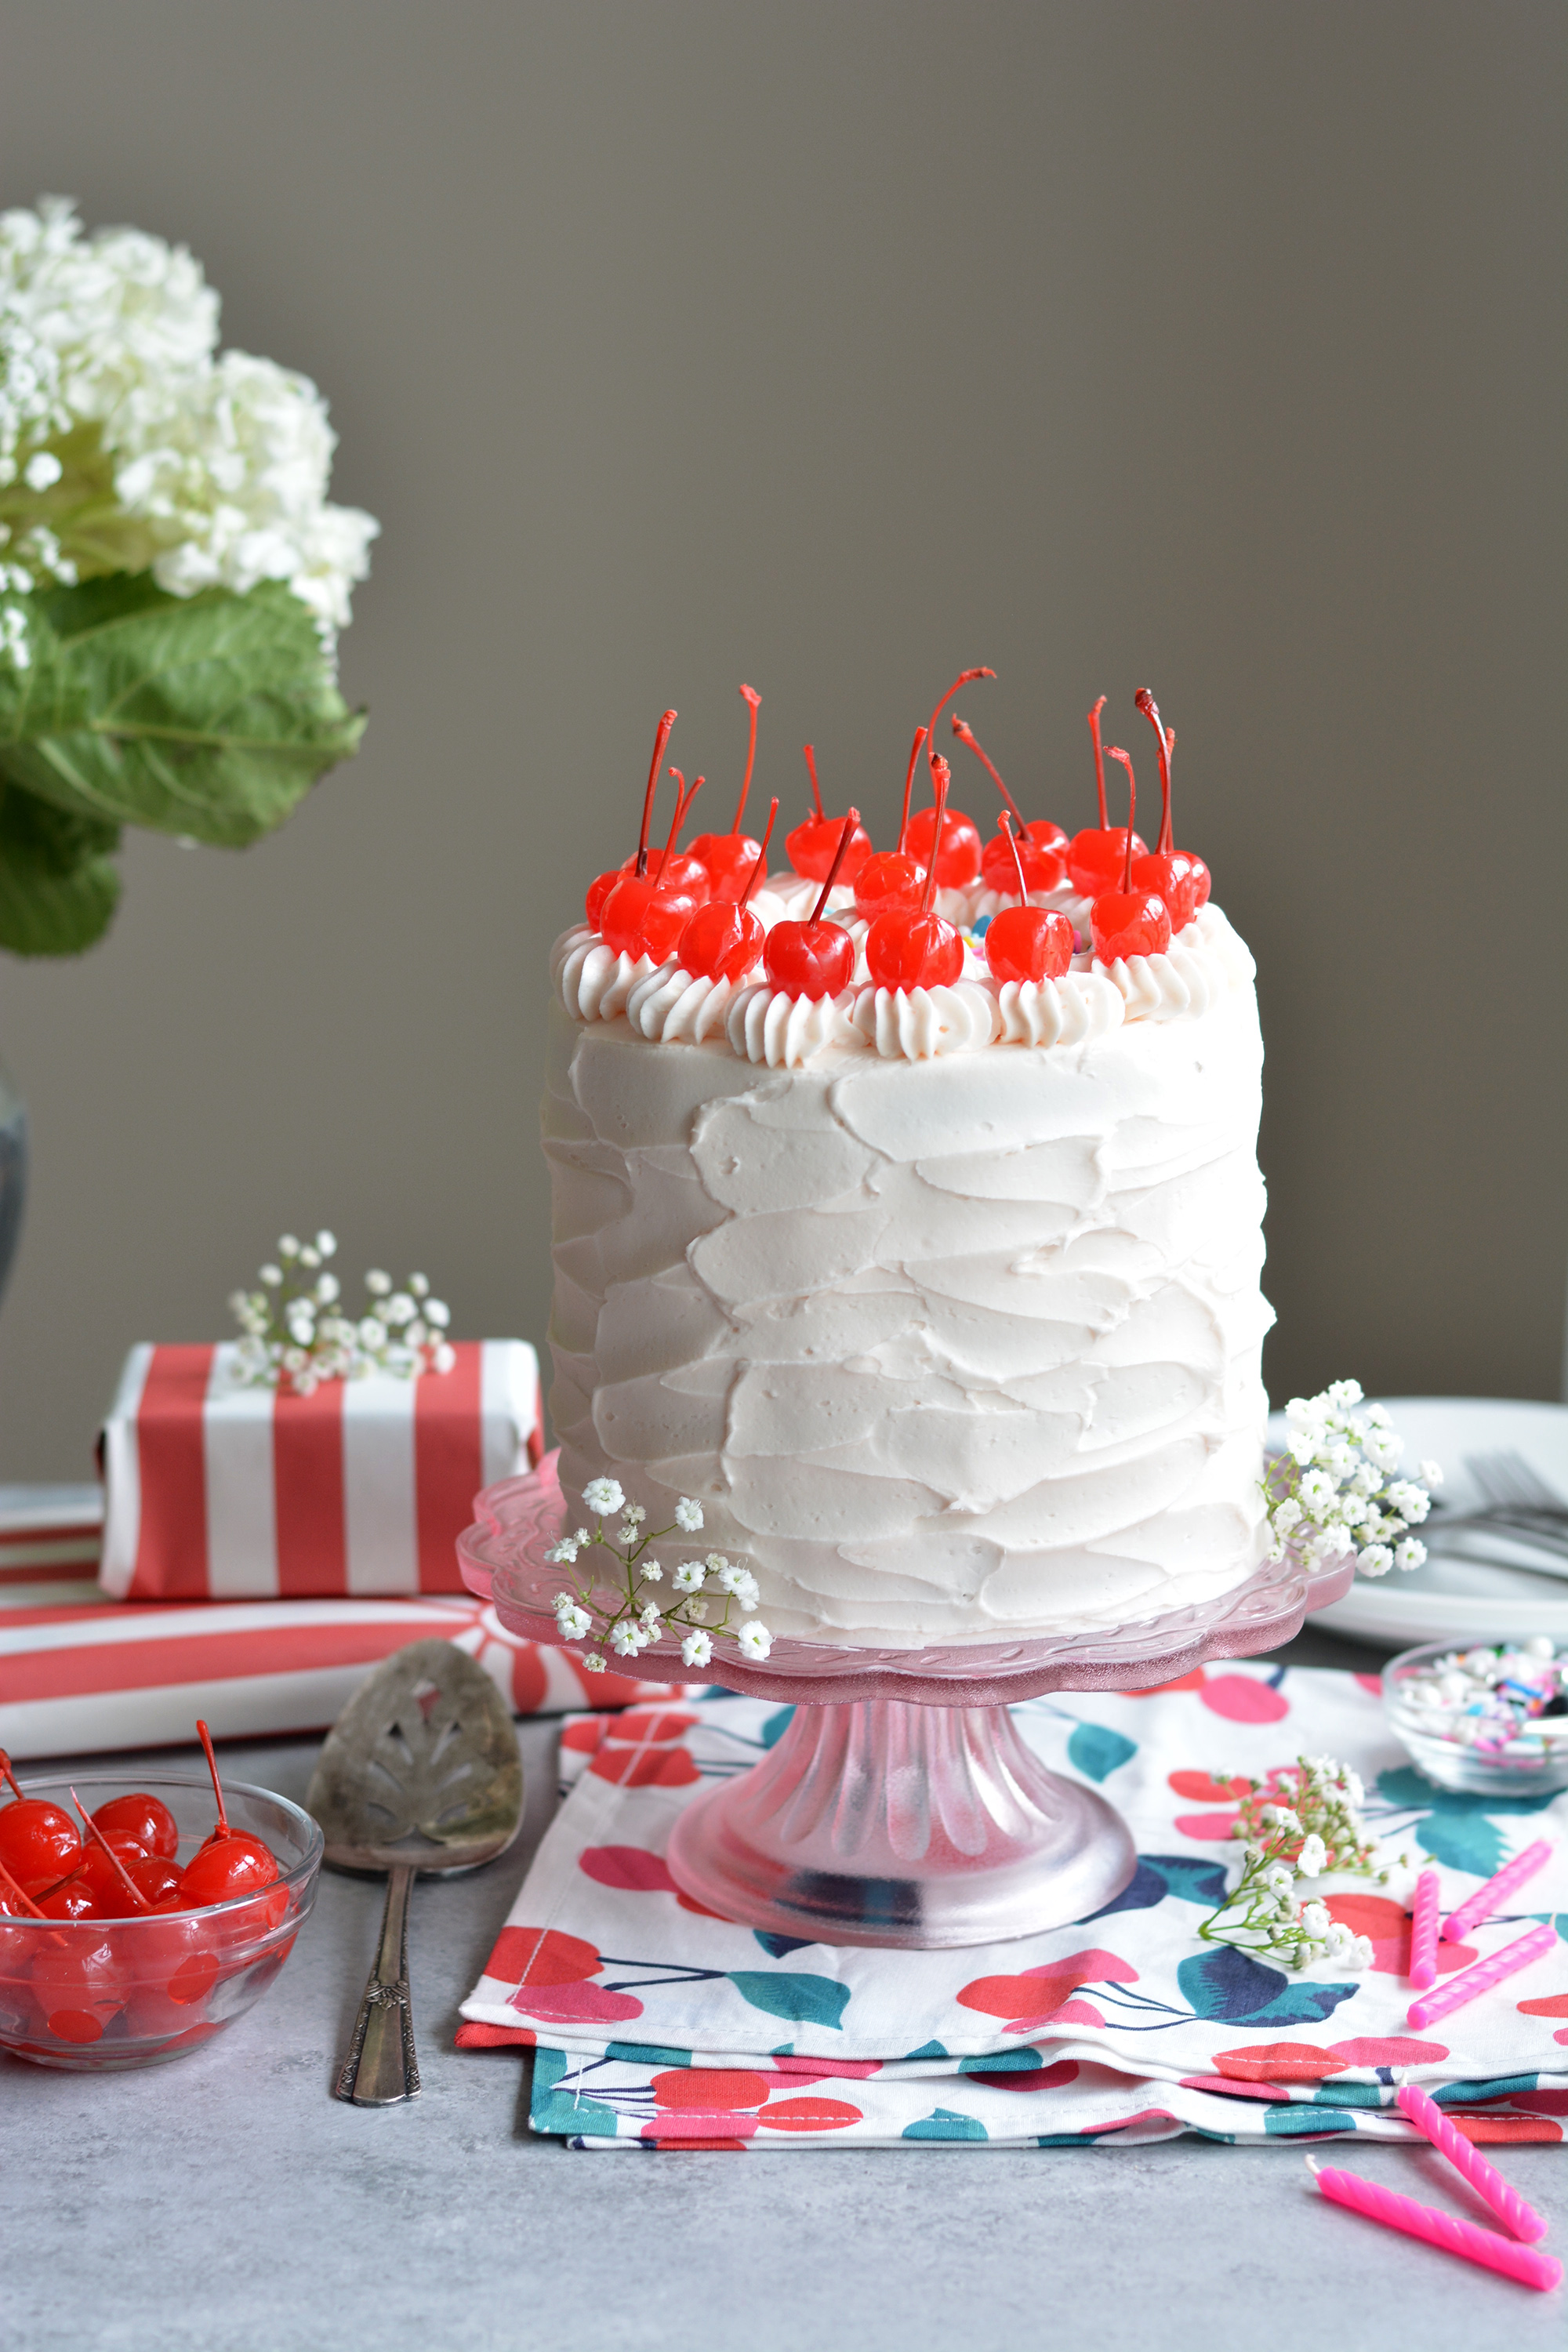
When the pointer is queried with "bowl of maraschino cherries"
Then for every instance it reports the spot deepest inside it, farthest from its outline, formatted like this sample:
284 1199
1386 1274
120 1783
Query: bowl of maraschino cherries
133 1924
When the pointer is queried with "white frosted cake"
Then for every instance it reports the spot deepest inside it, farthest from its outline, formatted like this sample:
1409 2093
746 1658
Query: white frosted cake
944 1301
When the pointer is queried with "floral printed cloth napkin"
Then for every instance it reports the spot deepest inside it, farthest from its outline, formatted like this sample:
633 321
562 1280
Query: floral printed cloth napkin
657 2023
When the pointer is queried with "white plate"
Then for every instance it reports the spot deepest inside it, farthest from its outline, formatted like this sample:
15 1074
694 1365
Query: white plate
1454 1597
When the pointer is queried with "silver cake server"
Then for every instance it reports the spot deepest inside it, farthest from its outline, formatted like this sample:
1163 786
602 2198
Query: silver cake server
420 1776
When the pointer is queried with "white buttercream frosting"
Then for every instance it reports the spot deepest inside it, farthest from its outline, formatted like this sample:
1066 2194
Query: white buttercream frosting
953 1349
918 1024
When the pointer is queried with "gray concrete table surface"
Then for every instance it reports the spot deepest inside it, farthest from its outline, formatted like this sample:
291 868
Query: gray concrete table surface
227 2203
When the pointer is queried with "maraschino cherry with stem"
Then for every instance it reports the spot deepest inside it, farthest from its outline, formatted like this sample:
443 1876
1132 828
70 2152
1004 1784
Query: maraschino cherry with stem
38 1841
110 1877
1025 942
1041 845
146 1818
231 1862
1181 879
723 939
729 857
914 948
815 958
643 915
1129 922
957 861
892 878
674 868
817 844
14 1899
601 887
1096 858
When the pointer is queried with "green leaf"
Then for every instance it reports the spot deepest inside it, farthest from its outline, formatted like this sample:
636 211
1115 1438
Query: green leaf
207 717
804 2000
59 886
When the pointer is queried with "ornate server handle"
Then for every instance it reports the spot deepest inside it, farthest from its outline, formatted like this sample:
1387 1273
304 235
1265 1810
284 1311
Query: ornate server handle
381 2068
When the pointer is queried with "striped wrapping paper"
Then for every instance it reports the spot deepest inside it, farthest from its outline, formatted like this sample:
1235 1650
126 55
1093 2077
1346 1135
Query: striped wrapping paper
81 1673
221 1491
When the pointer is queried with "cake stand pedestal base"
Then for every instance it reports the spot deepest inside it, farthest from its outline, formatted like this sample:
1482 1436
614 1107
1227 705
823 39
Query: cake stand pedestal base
880 1822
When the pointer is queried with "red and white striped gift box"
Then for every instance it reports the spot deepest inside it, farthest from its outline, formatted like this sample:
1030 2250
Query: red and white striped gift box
220 1491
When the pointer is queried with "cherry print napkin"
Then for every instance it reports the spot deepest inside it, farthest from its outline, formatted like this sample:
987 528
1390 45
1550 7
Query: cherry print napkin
655 2023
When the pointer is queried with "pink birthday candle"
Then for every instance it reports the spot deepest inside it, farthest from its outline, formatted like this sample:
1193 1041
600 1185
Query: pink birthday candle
1482 1977
1488 2183
1424 1932
1488 1898
1493 2251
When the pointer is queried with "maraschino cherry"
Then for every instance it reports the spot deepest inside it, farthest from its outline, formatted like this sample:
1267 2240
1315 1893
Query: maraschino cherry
672 867
816 844
38 1841
601 887
106 1871
231 1862
15 1901
912 948
146 1818
1181 879
1129 922
724 940
891 878
642 915
1025 942
958 859
729 857
815 958
1096 858
1041 845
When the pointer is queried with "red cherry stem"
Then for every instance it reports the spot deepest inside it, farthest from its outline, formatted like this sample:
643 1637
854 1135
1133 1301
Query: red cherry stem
204 1736
909 781
9 1775
839 854
761 858
816 788
661 738
1167 743
126 1880
753 702
965 734
683 799
1098 759
9 1886
1017 861
943 775
1113 753
964 677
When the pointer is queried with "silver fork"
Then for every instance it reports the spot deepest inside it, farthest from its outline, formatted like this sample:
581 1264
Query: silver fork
1510 1483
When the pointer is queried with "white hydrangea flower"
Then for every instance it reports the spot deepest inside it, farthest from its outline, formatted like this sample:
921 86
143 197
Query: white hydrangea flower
1430 1472
690 1577
562 1554
1315 1919
1411 1553
623 1639
603 1496
697 1649
1361 1953
1313 1856
1375 1559
650 1570
571 1619
730 1578
1316 1490
593 1663
689 1516
753 1639
377 1282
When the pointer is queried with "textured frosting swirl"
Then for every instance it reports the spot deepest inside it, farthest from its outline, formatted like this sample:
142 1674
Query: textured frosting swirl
787 1030
1059 1012
918 1024
958 1349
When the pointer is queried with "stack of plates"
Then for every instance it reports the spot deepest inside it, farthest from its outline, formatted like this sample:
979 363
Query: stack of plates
1483 1585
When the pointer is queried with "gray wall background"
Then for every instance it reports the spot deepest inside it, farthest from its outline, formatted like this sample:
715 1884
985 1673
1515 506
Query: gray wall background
1212 344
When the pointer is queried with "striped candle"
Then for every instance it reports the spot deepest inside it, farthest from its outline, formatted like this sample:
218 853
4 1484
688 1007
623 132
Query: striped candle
1424 1932
1497 1890
1484 2179
1482 1977
1436 2228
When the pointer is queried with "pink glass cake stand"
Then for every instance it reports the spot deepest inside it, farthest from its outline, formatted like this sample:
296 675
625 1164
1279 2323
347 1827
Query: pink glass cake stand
900 1806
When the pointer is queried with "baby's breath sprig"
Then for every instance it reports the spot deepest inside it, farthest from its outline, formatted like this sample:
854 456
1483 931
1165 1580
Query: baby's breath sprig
1332 1490
614 1608
1301 1822
297 1333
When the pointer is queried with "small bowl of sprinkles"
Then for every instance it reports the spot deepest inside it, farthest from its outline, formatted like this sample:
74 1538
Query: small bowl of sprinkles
1492 1719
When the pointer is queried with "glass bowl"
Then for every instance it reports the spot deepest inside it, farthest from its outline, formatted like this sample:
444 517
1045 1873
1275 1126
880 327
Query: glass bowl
1531 1763
101 1994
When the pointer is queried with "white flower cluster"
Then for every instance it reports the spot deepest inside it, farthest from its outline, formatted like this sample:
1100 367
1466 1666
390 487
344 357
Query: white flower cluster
128 443
1332 1490
298 1332
1298 1824
624 1614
